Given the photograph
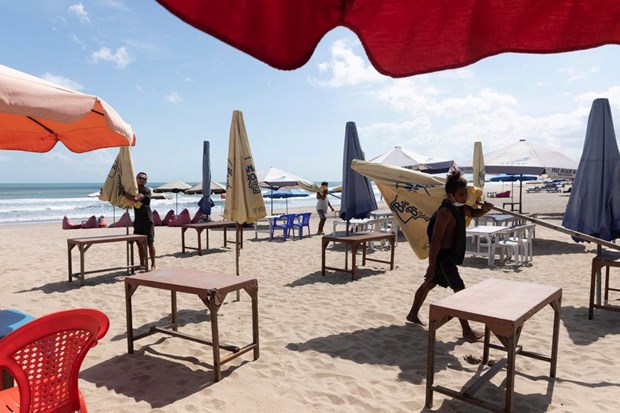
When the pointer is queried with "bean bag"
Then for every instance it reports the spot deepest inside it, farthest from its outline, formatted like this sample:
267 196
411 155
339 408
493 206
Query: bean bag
505 194
124 221
67 224
197 216
182 219
90 222
168 217
156 219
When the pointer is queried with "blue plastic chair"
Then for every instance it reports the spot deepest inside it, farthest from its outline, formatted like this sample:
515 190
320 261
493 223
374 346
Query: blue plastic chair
286 224
301 221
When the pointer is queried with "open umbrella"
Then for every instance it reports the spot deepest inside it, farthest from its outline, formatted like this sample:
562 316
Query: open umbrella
404 37
216 188
244 200
274 179
358 198
413 160
175 187
35 114
284 194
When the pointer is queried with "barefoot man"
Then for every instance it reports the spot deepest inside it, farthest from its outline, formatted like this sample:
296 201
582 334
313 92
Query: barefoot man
143 218
446 233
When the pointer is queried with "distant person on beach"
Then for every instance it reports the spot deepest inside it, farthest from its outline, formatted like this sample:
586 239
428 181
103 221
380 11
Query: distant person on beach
143 218
322 204
446 234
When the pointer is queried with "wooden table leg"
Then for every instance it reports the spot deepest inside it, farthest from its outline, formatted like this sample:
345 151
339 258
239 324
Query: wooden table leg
82 252
430 363
324 244
225 236
592 286
173 310
128 293
255 337
393 244
511 347
215 339
353 255
183 239
70 248
556 305
198 231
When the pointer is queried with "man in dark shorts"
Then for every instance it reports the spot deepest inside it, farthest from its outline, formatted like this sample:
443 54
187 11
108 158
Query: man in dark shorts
143 218
447 247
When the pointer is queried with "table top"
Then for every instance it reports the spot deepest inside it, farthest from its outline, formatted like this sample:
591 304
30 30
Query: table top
381 214
11 320
500 217
107 238
503 305
359 236
205 284
484 230
210 224
608 255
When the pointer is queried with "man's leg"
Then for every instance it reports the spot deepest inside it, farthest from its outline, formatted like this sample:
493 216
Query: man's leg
418 300
141 253
152 254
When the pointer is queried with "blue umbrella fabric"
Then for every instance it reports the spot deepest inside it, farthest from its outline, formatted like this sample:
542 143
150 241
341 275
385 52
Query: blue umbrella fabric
205 204
284 194
594 204
513 178
358 198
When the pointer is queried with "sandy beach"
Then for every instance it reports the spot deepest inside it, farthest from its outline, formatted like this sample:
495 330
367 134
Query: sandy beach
327 344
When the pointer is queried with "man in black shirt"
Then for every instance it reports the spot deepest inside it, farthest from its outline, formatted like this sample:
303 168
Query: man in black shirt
143 218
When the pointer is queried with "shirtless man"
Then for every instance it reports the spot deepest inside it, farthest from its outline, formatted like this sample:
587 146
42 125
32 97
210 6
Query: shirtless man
447 247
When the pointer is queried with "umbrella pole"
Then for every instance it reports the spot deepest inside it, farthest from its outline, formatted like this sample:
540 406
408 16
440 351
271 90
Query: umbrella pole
599 249
238 228
346 250
521 194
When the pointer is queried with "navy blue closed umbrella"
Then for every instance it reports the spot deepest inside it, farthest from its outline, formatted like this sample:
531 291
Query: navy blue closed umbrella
594 204
205 204
358 198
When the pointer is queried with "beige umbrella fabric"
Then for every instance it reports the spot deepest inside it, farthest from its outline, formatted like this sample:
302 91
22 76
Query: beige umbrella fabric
216 188
174 187
478 166
244 200
413 197
35 114
121 178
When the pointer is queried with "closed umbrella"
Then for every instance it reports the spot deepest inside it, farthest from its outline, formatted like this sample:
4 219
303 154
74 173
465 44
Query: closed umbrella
478 169
175 187
358 198
404 37
205 202
244 200
35 114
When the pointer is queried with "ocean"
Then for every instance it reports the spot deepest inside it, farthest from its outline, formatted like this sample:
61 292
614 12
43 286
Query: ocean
40 203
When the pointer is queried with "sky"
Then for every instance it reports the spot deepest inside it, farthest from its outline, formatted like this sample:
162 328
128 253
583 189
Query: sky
178 87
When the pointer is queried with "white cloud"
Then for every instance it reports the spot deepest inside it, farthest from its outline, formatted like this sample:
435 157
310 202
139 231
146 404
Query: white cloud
63 81
573 74
120 58
174 98
81 13
188 79
345 68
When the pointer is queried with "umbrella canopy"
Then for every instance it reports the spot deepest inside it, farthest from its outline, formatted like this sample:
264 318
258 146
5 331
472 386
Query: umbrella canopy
121 178
216 188
413 160
413 197
285 194
594 204
513 178
244 200
478 169
358 198
404 37
275 178
174 187
35 114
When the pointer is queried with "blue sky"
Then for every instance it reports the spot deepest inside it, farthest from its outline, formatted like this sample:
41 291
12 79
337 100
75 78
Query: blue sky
178 86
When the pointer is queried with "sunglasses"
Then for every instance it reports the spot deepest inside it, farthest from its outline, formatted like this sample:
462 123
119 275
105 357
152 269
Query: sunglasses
142 178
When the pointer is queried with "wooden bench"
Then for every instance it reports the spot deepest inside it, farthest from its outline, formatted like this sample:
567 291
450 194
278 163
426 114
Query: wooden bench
605 259
85 243
355 241
211 288
503 306
206 226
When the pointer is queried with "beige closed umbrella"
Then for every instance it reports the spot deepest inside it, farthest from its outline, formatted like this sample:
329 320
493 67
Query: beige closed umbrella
478 166
244 200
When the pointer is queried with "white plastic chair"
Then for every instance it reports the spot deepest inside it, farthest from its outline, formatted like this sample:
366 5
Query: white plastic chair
515 243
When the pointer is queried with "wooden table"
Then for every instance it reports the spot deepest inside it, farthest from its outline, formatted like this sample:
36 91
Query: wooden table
605 259
211 288
503 306
206 226
354 241
85 243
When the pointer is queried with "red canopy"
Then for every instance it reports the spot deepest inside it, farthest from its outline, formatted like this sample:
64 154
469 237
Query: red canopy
404 37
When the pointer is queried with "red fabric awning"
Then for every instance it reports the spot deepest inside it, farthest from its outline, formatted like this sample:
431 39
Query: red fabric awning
405 37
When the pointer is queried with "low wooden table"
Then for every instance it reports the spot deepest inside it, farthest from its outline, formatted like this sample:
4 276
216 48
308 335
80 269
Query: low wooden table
211 288
206 226
605 259
503 306
354 241
85 243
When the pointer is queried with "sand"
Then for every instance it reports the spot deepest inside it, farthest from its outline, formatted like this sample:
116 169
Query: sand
328 344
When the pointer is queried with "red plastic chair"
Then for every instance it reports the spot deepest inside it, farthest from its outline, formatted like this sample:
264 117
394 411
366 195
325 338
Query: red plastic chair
45 355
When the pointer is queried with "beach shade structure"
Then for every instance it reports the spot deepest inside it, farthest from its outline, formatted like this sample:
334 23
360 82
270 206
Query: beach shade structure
594 204
216 188
413 160
513 178
175 187
275 179
412 197
478 169
358 198
35 114
284 194
244 200
404 37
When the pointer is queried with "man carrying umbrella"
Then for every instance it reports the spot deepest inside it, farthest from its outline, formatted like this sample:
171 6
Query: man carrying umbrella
143 218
